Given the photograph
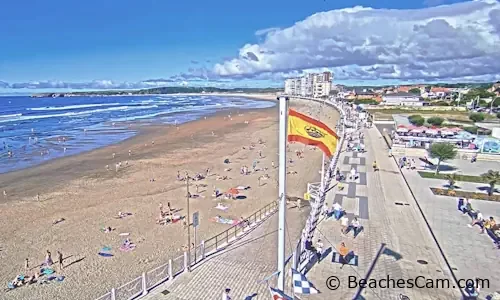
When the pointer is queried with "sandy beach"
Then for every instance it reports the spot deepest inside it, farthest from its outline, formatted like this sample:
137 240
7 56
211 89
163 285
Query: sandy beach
80 190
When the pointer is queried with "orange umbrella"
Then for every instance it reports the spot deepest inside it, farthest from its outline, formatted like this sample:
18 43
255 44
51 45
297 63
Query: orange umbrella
233 191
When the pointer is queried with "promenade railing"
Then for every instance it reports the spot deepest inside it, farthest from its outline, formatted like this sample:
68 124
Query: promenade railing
141 285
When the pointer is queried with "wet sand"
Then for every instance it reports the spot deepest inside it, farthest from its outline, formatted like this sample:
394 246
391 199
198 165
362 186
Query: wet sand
81 190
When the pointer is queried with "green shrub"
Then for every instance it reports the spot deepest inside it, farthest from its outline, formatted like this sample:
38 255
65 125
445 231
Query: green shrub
436 121
471 129
416 120
476 117
366 101
498 114
440 103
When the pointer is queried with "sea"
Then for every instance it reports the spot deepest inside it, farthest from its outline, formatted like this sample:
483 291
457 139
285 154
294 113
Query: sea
36 130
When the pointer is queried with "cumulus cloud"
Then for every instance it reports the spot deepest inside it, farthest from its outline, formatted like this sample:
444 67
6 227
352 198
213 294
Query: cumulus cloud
448 42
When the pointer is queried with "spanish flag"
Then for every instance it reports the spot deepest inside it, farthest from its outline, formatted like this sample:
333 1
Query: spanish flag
309 131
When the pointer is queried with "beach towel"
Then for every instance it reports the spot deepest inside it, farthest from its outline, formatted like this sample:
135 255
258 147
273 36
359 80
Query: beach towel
242 187
127 248
224 221
124 234
124 215
47 271
106 248
103 254
222 207
352 262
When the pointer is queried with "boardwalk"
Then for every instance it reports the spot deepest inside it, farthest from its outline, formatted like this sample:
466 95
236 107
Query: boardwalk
389 215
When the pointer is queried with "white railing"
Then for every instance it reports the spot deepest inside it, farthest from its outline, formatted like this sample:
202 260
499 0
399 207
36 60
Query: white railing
141 285
302 255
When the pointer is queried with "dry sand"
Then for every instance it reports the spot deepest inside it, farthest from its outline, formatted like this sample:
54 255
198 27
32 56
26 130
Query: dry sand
80 190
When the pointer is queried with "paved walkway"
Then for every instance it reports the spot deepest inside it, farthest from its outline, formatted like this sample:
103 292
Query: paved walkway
470 253
400 227
241 267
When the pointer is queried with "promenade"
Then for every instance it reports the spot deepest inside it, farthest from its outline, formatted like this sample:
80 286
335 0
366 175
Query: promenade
241 267
470 253
389 215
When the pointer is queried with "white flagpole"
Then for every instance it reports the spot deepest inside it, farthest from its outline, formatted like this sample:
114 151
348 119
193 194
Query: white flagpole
323 173
283 133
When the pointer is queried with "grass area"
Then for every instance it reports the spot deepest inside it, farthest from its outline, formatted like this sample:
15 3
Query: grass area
459 177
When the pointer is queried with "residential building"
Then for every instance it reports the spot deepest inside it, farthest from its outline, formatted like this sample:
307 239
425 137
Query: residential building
292 86
312 84
306 85
366 95
404 99
322 84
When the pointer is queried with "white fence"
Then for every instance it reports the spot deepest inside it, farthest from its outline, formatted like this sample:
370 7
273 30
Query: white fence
168 271
318 195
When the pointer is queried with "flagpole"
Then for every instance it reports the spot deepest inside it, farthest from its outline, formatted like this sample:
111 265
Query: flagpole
323 173
283 133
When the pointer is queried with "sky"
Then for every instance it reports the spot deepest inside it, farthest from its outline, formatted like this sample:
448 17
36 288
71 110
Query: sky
109 44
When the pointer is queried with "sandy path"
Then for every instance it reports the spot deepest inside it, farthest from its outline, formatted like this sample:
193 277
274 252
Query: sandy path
80 190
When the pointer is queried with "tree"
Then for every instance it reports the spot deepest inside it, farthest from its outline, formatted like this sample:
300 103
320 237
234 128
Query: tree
452 179
416 120
436 121
491 177
476 117
414 91
442 151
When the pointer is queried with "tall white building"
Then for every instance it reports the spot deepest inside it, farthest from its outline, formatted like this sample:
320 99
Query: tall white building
293 86
310 85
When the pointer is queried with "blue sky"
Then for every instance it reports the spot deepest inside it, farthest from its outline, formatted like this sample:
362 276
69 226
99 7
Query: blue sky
132 41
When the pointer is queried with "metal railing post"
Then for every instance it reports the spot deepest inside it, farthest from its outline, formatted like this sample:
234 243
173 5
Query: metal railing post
186 269
144 286
202 245
113 294
216 243
170 270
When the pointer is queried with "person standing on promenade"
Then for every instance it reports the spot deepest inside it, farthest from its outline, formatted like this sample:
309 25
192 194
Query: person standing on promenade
225 294
319 250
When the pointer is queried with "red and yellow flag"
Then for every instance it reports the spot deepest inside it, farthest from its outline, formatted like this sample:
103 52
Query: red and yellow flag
309 131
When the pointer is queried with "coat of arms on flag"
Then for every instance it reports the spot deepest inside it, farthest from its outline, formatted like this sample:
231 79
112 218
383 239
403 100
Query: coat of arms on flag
301 285
279 295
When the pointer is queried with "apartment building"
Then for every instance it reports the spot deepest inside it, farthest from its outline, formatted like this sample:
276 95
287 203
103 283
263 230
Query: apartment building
312 84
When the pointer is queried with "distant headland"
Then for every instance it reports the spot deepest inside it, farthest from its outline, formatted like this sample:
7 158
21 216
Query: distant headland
161 91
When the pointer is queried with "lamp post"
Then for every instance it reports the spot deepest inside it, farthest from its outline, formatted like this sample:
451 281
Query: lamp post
188 226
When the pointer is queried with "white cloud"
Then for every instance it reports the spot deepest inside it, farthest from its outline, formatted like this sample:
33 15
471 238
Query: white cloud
449 42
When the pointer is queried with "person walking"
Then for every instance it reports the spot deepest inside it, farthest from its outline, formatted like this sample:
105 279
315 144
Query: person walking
60 259
319 250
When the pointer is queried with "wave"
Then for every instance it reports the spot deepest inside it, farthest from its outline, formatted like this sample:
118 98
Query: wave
21 117
10 116
70 107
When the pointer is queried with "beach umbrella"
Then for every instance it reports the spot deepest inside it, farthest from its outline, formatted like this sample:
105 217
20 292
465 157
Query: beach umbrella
418 130
431 131
402 129
446 131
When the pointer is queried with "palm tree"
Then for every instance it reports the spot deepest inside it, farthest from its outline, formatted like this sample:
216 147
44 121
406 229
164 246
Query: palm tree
491 177
452 179
442 151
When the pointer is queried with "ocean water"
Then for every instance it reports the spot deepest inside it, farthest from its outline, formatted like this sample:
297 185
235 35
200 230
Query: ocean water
35 130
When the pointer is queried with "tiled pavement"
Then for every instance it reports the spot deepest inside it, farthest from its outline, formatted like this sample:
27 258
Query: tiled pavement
400 227
470 253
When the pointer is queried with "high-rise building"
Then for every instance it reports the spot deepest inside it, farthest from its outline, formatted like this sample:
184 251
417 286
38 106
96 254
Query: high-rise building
311 84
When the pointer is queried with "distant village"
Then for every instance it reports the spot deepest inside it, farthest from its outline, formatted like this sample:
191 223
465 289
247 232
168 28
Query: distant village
320 85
